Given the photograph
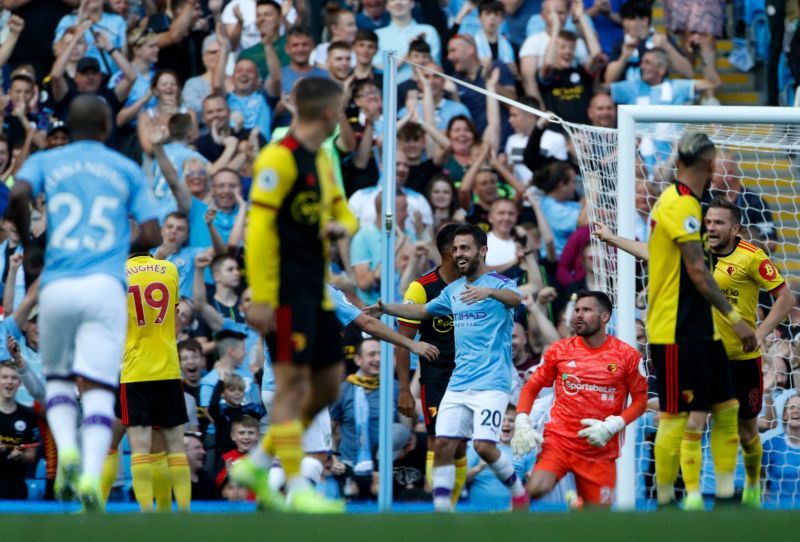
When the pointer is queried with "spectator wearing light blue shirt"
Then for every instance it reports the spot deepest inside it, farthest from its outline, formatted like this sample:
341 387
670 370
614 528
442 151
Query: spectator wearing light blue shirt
299 45
441 110
177 152
110 24
782 457
144 45
518 14
654 87
562 212
399 33
227 198
366 254
174 248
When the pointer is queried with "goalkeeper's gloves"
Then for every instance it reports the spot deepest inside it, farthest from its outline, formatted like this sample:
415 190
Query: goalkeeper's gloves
525 438
598 433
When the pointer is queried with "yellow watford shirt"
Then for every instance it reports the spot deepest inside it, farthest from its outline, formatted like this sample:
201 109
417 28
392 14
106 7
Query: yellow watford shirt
677 312
294 195
741 275
151 352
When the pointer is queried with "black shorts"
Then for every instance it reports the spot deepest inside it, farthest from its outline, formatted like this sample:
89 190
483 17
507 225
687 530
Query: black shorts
691 376
157 403
748 382
430 394
306 335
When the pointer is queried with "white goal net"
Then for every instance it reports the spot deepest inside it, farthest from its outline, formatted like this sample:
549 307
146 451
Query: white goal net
757 168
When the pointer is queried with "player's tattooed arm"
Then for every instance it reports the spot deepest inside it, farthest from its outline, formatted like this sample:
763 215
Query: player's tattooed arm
694 258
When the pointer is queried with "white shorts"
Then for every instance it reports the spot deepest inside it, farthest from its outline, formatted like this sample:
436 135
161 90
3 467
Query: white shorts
83 325
471 414
318 437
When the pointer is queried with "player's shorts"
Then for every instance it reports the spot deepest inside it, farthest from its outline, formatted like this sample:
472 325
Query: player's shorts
691 376
156 403
595 481
430 394
318 438
471 414
748 380
83 324
306 335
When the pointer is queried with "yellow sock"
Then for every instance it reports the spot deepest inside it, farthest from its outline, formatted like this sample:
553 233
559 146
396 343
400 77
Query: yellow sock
667 453
752 453
286 439
109 474
142 473
162 490
725 446
181 480
267 444
692 459
429 469
461 479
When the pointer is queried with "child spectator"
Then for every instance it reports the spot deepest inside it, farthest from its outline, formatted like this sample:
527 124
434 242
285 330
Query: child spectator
365 46
244 435
18 437
233 407
492 45
561 211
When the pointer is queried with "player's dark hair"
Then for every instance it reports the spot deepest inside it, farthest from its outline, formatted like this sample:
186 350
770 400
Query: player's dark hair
179 126
477 234
636 9
365 34
491 6
445 236
179 215
602 299
314 95
89 117
722 203
193 345
694 147
419 45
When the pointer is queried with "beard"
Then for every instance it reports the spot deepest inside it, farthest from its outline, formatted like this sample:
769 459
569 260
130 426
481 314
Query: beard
586 330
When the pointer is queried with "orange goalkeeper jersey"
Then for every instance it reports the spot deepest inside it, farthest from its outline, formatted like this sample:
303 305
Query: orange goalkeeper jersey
589 383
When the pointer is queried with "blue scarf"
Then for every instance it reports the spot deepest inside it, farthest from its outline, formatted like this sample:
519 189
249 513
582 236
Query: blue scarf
364 465
505 53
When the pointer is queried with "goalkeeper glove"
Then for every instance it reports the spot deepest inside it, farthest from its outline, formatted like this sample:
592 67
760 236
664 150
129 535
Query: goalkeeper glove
598 433
526 438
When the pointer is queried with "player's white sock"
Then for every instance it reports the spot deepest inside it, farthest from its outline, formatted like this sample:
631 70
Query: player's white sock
62 413
504 470
276 477
98 418
444 478
311 468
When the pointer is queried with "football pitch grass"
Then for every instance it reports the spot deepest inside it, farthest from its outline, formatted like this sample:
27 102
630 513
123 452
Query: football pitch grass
732 524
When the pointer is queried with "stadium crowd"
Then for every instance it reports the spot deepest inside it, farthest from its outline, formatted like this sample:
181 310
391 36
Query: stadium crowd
198 87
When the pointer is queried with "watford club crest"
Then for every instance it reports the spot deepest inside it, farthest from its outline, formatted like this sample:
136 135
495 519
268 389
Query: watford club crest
688 396
730 270
611 368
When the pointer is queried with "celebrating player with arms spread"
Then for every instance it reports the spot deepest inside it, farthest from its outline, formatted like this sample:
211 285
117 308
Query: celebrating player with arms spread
593 374
741 270
481 303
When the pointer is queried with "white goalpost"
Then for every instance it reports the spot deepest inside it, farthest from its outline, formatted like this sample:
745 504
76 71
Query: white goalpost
758 144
